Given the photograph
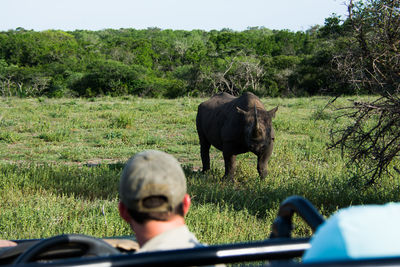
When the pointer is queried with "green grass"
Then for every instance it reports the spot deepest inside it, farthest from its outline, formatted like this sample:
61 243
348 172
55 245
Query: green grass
61 159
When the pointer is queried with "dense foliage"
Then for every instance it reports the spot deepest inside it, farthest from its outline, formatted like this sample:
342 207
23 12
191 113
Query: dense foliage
370 61
167 63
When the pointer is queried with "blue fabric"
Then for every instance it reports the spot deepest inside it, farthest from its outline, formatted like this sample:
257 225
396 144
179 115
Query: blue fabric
359 232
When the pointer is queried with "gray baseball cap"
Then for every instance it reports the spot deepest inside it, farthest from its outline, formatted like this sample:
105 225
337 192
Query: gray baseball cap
152 173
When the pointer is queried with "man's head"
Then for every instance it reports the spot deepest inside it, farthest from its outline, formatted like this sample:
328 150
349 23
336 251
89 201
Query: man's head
152 186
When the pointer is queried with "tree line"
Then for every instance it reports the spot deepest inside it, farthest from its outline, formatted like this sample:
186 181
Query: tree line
171 63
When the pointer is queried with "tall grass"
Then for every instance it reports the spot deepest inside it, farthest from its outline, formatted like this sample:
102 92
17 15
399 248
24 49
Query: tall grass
61 159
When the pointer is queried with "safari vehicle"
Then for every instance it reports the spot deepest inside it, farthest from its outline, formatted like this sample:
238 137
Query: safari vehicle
278 250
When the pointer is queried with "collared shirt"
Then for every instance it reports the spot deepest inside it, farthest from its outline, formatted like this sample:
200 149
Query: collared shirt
177 238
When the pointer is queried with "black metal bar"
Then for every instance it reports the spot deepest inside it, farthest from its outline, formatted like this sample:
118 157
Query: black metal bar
276 249
282 226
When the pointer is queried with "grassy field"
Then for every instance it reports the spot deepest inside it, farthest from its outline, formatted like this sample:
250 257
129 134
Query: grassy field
60 162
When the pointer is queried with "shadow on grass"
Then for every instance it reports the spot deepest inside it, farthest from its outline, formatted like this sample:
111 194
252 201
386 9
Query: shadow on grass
259 197
85 182
212 187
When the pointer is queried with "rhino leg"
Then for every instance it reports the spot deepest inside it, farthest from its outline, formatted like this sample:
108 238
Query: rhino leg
230 164
262 170
262 164
205 154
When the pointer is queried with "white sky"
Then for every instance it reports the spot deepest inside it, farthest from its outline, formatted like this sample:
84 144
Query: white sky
295 15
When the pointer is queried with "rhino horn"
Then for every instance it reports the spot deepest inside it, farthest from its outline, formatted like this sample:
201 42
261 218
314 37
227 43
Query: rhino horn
256 127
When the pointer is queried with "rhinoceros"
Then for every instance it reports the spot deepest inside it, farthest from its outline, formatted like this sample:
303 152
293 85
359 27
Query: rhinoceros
235 125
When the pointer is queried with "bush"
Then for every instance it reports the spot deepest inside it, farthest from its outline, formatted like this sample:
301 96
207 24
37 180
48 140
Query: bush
105 77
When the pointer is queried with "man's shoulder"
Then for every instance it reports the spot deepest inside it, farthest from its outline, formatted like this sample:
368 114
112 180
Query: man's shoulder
176 238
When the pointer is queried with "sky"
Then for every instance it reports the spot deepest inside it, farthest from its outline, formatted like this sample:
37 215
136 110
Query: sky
238 15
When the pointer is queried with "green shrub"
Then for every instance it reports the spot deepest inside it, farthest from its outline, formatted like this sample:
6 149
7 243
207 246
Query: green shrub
55 136
9 137
123 120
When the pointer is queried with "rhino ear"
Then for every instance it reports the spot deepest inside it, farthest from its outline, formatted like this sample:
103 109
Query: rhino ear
272 112
241 110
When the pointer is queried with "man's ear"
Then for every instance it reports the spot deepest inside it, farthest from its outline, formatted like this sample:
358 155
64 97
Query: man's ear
123 212
186 204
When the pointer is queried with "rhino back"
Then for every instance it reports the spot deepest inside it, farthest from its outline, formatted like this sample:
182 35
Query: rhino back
248 100
219 121
211 116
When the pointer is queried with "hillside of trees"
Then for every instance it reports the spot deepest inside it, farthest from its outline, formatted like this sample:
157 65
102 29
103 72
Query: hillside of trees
171 63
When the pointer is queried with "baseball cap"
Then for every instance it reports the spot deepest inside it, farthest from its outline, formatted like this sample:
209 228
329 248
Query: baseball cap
152 173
